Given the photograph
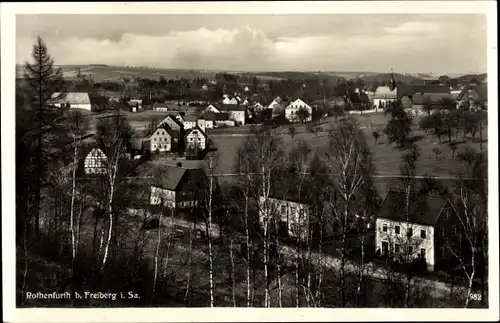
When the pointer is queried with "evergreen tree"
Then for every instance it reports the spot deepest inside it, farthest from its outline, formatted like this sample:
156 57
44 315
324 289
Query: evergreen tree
46 130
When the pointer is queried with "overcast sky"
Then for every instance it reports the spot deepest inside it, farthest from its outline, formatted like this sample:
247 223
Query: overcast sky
377 43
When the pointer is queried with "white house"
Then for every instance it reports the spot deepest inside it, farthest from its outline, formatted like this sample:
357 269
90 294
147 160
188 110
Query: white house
164 138
236 112
230 100
258 107
190 122
382 96
136 103
292 109
212 108
95 162
195 138
421 234
292 216
73 100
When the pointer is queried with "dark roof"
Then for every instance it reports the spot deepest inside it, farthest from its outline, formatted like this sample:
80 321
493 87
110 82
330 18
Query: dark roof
410 90
172 176
173 118
171 132
424 210
432 98
214 116
232 107
197 128
481 90
99 100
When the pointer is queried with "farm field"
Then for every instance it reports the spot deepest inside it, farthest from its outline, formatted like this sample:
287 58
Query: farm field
387 157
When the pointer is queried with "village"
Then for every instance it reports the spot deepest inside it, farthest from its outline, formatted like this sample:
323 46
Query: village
246 188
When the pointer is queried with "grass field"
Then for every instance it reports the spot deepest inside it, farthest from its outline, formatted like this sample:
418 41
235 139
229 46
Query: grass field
387 157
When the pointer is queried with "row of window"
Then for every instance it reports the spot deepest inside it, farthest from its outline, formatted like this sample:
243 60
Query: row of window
166 139
160 146
409 231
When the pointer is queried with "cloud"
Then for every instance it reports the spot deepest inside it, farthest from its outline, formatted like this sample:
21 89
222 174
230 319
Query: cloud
370 43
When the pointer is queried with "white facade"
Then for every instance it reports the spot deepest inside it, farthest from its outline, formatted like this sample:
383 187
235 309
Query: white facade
189 124
292 109
259 107
237 115
292 216
205 124
163 109
161 140
391 239
157 193
212 108
73 100
95 162
228 100
196 138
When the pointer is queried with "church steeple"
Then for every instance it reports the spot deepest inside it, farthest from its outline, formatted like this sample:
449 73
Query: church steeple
392 83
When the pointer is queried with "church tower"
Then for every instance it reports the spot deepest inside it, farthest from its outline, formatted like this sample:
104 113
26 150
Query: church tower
392 83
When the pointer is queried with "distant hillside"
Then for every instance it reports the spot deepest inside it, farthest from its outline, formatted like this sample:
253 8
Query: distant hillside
386 77
100 72
299 75
467 78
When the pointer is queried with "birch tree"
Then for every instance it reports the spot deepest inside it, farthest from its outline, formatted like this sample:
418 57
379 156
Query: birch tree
114 135
265 151
345 159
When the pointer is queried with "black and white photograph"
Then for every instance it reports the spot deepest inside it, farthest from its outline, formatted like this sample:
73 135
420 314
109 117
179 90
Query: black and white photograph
276 158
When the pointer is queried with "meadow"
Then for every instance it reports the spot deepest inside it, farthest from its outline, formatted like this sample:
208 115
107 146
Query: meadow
387 157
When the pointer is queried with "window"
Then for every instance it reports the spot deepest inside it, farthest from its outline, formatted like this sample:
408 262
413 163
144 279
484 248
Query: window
423 234
154 146
283 209
442 232
397 248
447 213
422 253
442 252
409 232
154 139
397 229
384 227
410 250
454 229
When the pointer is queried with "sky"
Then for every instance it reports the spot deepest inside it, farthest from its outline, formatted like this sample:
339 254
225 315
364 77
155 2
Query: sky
411 43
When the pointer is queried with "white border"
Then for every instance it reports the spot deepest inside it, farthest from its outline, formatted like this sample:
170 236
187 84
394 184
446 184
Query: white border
8 27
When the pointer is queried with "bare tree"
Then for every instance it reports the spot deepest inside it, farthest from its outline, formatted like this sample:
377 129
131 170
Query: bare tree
78 129
265 151
292 131
472 215
345 159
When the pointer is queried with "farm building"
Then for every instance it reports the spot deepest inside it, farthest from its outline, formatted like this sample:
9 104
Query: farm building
179 187
95 162
195 138
164 138
294 107
73 100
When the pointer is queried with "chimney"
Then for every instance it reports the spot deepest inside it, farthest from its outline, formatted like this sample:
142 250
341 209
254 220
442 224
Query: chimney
179 164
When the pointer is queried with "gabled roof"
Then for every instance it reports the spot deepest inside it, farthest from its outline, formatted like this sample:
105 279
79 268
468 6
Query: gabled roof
174 119
232 107
214 116
410 90
172 177
424 210
166 127
298 101
481 90
433 98
71 97
99 100
195 128
190 118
